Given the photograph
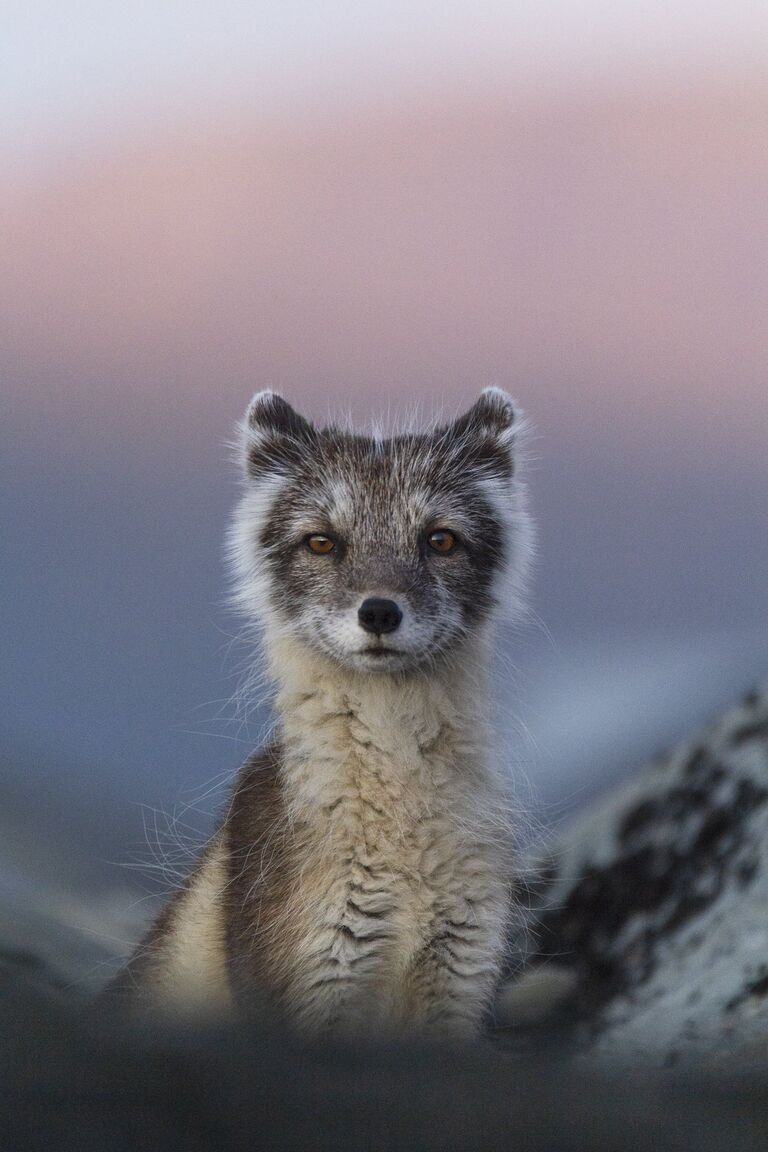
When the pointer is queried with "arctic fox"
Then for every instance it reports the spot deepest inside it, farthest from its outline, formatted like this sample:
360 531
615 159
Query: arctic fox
360 880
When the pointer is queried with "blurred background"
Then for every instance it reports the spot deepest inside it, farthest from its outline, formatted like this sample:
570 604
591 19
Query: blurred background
364 206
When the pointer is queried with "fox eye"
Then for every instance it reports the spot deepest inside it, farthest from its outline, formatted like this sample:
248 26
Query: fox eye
319 544
441 540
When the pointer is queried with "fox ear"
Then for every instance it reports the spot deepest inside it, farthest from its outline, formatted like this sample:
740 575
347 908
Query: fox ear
274 435
488 430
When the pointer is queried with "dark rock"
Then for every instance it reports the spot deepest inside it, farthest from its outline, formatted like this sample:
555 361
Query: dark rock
659 905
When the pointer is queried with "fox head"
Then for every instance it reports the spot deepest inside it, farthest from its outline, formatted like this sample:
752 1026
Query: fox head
383 554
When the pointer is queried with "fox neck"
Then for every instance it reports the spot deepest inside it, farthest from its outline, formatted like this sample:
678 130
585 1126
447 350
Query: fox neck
430 723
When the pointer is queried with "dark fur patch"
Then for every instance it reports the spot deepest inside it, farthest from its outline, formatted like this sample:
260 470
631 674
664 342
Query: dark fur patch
283 436
260 855
479 429
271 413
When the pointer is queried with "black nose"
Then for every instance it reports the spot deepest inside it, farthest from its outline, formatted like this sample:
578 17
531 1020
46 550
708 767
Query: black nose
379 615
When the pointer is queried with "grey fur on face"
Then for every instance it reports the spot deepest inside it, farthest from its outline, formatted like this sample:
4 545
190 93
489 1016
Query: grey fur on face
377 504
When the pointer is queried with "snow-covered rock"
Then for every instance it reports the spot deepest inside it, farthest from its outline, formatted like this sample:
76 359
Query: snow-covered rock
649 922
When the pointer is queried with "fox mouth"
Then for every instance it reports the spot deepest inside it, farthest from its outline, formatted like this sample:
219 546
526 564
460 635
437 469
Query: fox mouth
380 650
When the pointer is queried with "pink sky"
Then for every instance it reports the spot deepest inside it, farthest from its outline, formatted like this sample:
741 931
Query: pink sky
604 255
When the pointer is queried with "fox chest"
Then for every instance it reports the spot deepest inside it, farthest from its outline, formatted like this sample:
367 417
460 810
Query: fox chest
376 881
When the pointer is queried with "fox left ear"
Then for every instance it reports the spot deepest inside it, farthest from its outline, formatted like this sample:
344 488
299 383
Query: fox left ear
274 434
488 430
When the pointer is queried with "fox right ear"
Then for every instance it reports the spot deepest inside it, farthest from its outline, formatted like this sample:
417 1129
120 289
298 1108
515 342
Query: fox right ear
274 435
488 431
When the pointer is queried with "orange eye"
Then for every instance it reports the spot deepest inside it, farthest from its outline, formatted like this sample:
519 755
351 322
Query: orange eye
320 545
442 541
